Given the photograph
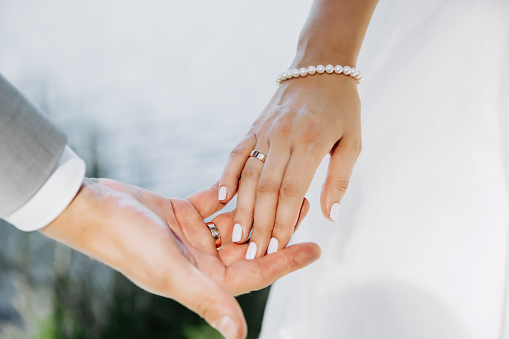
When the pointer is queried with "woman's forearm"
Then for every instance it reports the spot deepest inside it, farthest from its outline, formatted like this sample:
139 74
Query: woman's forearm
333 32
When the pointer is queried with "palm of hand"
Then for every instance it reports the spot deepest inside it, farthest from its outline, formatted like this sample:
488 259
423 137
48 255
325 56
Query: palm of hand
165 247
188 242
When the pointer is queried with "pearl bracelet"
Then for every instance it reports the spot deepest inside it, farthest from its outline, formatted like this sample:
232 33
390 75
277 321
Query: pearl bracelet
312 70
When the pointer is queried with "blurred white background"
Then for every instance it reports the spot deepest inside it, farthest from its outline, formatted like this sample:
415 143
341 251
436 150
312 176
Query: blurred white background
166 88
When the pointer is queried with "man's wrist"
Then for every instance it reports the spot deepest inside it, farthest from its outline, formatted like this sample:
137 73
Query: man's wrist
54 196
87 224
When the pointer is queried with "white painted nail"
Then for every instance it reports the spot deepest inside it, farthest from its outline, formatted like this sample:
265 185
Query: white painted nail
273 244
222 193
237 233
227 327
334 212
251 251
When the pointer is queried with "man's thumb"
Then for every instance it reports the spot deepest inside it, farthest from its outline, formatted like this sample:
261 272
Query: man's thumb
214 304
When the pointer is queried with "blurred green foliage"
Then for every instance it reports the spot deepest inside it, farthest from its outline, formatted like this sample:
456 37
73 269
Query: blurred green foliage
134 313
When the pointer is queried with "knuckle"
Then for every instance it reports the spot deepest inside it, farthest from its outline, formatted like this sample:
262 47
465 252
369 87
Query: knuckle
283 125
237 151
158 279
267 186
289 190
205 307
261 234
244 211
355 147
310 129
230 175
282 232
339 185
280 227
311 133
249 173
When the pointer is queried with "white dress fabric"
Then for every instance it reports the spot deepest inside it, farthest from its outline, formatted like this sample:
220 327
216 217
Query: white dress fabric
421 246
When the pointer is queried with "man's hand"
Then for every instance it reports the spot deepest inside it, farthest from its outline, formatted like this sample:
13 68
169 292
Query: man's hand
165 247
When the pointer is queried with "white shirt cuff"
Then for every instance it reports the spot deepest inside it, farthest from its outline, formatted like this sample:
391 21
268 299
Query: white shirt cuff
54 196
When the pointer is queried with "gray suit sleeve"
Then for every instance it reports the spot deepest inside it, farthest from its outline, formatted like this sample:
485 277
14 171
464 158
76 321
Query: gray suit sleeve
30 146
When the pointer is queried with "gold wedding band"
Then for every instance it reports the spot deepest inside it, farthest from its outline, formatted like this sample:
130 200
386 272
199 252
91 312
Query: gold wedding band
258 155
215 233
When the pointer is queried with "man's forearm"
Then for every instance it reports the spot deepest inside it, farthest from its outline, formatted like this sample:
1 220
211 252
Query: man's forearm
39 174
333 32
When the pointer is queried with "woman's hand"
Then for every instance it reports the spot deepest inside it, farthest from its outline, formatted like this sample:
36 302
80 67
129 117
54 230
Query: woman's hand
306 119
164 247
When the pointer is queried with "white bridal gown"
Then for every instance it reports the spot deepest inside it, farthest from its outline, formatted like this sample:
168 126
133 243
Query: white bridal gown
421 247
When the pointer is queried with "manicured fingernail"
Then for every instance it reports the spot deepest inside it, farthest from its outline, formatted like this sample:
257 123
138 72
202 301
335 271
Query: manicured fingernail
222 193
272 246
251 251
334 212
237 233
227 327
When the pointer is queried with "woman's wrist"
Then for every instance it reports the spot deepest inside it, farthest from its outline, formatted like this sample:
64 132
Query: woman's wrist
312 59
321 52
333 32
314 56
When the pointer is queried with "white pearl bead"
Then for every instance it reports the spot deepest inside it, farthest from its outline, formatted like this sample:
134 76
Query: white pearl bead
320 69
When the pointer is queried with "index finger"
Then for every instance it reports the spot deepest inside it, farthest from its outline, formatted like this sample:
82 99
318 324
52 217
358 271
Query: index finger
234 166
